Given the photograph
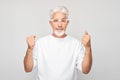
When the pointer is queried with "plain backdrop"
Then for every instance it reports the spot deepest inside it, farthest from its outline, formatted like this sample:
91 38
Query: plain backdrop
20 18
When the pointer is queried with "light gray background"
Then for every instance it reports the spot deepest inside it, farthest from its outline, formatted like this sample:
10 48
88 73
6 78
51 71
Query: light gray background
20 18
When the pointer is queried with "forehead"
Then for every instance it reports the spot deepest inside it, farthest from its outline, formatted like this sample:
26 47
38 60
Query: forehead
58 15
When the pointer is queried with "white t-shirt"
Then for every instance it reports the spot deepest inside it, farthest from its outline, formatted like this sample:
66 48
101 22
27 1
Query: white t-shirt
57 58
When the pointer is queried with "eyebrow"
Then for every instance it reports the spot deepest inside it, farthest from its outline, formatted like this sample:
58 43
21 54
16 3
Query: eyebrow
62 18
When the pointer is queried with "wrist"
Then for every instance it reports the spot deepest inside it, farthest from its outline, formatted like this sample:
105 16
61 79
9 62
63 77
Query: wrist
87 47
29 49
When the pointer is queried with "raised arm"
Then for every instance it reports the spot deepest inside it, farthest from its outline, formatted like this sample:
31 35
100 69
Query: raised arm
28 59
87 61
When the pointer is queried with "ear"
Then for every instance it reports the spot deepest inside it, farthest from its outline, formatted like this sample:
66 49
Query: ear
49 21
68 22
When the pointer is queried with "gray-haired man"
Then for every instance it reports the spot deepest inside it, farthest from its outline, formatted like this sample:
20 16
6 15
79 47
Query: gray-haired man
58 55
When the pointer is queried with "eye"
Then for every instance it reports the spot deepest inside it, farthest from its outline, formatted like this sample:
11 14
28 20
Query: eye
55 20
59 20
63 20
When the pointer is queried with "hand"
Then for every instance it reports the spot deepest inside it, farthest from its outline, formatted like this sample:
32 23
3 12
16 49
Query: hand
31 41
86 40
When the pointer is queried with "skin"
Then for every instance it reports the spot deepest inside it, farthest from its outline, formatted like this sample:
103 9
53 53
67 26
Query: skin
28 59
87 61
86 41
59 25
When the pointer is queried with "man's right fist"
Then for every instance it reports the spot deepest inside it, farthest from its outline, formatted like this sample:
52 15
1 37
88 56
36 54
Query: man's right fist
31 41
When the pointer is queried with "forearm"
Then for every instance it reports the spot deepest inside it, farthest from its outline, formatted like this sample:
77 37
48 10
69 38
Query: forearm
28 60
87 61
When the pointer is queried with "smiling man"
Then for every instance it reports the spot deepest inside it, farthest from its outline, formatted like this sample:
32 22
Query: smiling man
58 55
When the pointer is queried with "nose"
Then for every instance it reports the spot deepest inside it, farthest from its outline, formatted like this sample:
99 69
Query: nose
59 24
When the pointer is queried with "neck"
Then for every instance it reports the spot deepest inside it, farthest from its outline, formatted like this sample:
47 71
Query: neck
63 36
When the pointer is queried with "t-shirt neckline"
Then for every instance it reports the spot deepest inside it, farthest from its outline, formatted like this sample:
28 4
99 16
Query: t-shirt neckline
58 39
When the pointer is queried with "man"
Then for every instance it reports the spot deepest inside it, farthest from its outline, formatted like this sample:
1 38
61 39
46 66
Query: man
58 55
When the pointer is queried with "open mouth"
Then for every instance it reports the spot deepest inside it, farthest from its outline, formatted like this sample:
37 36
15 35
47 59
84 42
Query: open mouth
59 29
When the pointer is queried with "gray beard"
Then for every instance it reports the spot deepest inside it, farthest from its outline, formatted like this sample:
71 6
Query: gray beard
59 33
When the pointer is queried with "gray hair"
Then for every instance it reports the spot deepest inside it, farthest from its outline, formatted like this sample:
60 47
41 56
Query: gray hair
61 9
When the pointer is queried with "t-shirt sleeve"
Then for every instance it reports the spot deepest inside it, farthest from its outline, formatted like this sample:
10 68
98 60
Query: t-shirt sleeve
80 51
35 54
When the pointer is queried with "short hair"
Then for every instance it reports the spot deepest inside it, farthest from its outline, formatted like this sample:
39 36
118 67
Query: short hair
61 9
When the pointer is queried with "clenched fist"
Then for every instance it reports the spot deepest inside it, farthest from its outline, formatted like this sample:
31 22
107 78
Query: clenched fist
31 41
86 40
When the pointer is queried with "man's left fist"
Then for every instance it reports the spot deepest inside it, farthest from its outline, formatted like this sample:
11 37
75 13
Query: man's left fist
86 40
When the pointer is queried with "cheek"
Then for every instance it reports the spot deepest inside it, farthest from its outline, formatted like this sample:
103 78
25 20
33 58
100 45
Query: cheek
53 26
65 26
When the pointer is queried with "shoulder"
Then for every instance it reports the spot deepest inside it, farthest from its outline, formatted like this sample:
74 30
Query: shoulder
73 39
43 39
76 42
